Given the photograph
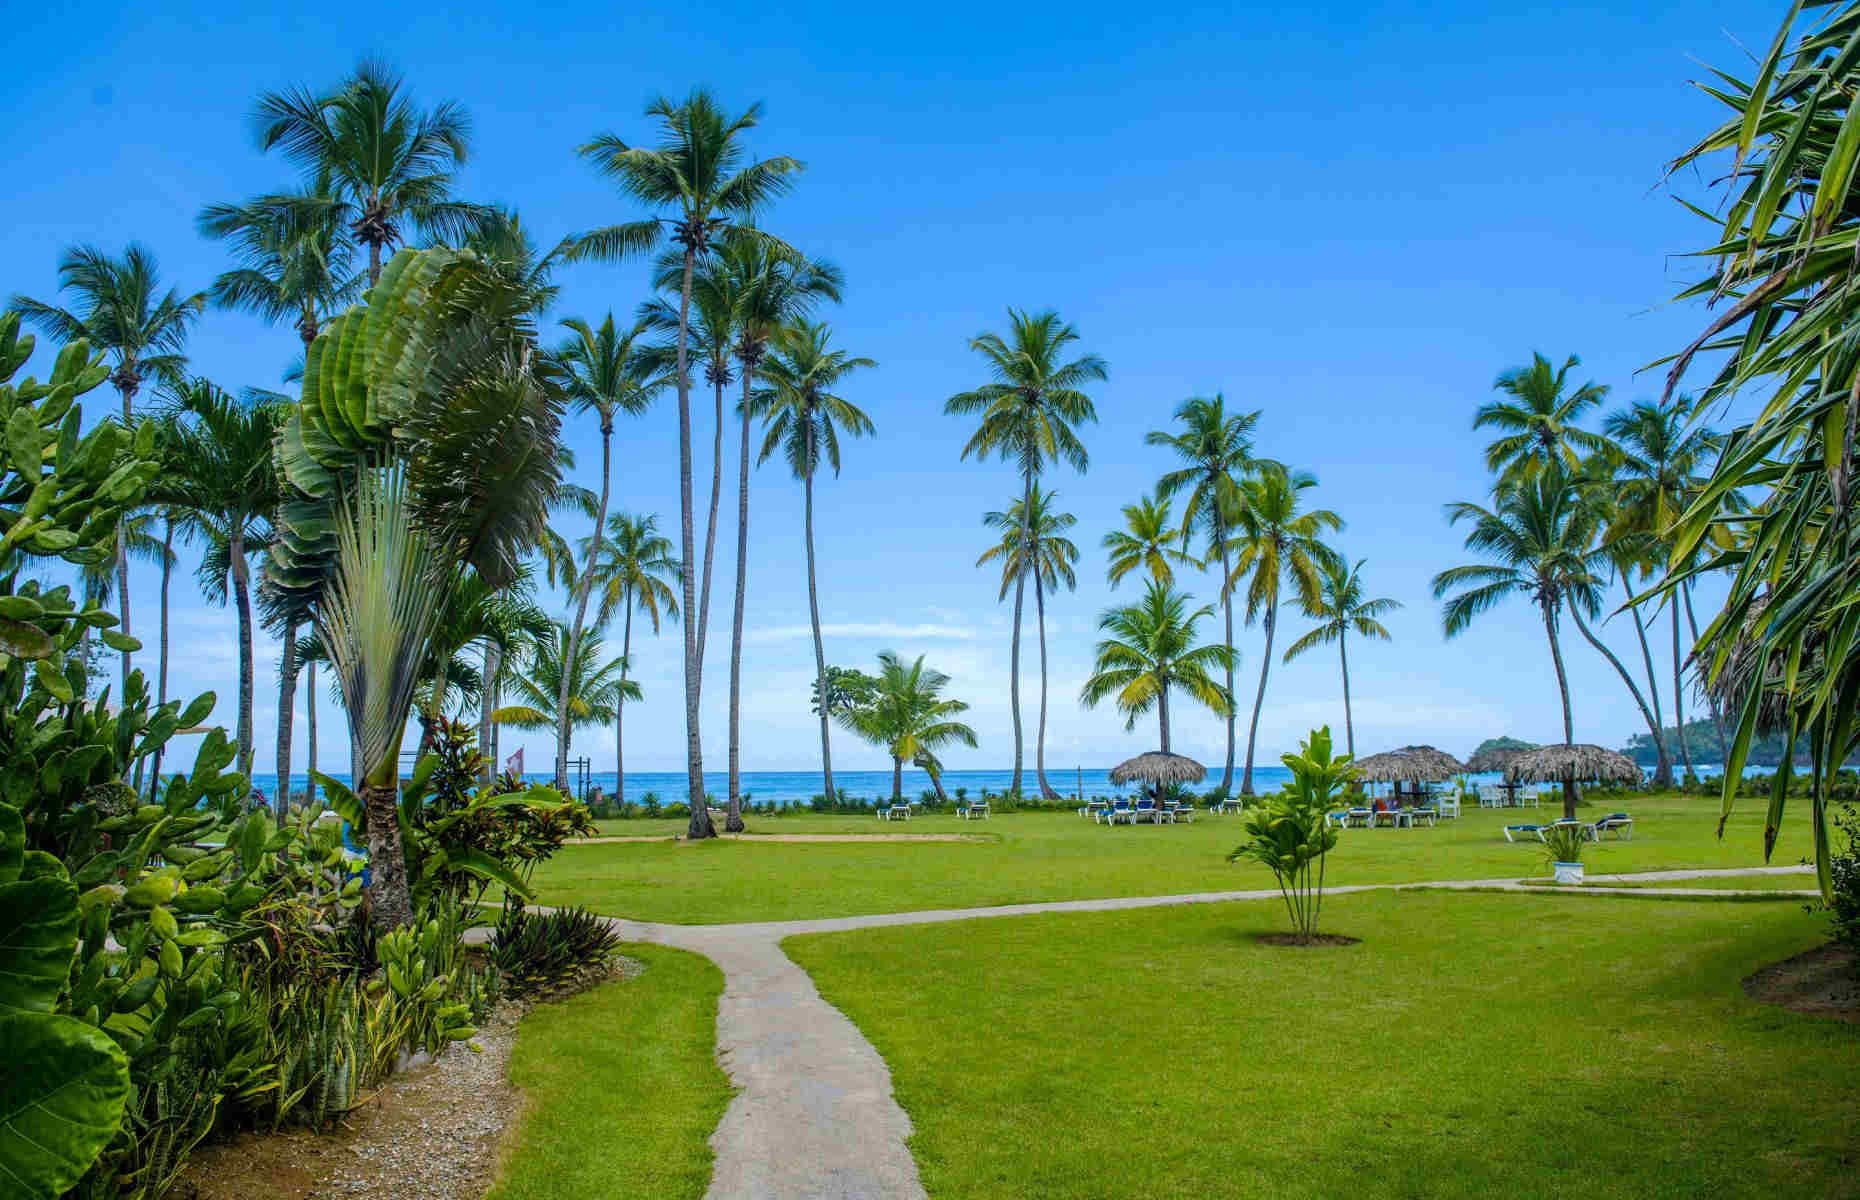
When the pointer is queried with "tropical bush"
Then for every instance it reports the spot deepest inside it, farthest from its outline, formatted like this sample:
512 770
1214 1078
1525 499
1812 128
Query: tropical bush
1288 832
1565 843
1844 900
539 953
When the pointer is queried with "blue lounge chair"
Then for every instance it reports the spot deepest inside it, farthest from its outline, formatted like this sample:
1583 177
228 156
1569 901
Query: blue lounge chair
1360 817
1536 831
1145 810
1620 823
1119 811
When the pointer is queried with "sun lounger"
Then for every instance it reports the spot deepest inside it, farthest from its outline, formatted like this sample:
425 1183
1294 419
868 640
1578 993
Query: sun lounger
1336 818
900 812
1185 811
974 810
1119 810
1145 810
1431 816
1359 817
1620 823
1388 816
1513 832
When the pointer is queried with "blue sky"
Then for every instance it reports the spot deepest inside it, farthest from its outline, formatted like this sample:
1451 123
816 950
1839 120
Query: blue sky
1349 216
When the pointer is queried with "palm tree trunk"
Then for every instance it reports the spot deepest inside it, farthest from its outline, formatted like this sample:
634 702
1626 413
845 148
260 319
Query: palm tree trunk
1039 741
1711 697
161 666
733 813
310 733
700 826
1349 725
242 597
390 901
1162 715
1259 700
287 716
1679 699
1663 768
1227 609
374 263
897 779
820 652
582 587
1569 723
1647 714
710 531
626 664
487 704
1020 595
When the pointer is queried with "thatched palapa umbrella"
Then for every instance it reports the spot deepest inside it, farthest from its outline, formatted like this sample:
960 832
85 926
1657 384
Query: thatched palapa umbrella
1570 765
1496 759
1413 765
1158 767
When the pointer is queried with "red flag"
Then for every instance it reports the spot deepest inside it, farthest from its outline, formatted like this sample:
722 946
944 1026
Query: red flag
515 762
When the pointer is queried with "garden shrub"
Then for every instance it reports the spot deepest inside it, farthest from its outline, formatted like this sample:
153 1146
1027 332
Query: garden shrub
539 953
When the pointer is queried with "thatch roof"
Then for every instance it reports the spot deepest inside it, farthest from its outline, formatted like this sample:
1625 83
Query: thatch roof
1495 759
1581 762
1158 767
1410 764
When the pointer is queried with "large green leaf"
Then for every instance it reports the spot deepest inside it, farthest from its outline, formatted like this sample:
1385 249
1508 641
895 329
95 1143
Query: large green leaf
12 843
38 936
61 1101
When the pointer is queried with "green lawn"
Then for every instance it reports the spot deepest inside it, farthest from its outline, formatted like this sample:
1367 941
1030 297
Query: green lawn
1059 856
1471 1046
1740 883
621 1087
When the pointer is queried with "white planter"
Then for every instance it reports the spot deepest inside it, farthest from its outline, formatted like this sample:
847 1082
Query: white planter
1567 872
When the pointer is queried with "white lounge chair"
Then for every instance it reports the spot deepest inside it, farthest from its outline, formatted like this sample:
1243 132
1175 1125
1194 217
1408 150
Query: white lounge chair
1448 808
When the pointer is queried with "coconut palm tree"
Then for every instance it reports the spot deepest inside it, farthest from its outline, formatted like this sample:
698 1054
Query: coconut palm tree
594 687
121 309
631 566
605 374
1539 540
1150 541
699 172
225 474
1274 544
909 717
771 290
1150 648
1537 423
293 254
1027 411
1218 450
1663 457
1032 541
381 162
1341 608
805 421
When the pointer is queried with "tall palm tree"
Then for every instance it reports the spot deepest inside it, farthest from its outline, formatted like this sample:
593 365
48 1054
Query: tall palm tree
1150 648
909 717
1537 424
771 290
1340 608
698 172
1274 544
229 485
605 374
1032 541
1663 457
1150 541
1218 451
309 653
805 420
1027 411
382 162
122 310
594 687
1539 540
631 566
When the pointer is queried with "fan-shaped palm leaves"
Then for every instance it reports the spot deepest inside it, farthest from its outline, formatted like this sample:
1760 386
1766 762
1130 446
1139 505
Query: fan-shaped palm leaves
606 373
122 310
909 717
594 689
1033 542
701 172
805 419
1539 541
1537 424
1273 543
1149 649
1150 541
1341 608
1026 413
384 162
1218 450
631 566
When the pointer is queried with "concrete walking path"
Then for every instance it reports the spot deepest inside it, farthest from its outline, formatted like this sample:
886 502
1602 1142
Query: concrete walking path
814 1117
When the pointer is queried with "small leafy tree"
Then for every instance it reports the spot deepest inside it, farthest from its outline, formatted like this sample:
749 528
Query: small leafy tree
1288 832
